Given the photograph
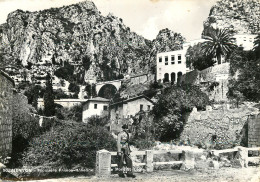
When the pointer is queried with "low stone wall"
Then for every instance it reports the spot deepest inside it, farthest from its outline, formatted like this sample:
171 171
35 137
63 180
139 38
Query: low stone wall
254 130
223 126
6 94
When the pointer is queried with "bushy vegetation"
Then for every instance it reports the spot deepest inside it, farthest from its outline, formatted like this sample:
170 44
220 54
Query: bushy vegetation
246 64
143 131
72 114
173 105
70 145
74 88
65 72
219 43
24 128
91 90
48 98
197 58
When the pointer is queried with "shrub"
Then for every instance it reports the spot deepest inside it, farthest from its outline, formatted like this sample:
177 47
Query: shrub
70 145
73 88
72 114
25 127
173 105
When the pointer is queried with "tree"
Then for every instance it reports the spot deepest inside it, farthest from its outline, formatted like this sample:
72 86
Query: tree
257 45
74 88
48 98
91 90
173 105
197 59
219 43
245 67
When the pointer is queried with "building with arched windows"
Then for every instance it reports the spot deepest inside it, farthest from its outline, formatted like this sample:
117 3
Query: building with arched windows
171 65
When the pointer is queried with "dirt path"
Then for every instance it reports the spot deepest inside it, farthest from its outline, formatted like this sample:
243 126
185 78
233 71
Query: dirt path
251 174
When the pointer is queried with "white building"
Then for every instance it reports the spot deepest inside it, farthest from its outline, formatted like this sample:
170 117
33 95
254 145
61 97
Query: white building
130 107
245 40
66 103
96 106
171 65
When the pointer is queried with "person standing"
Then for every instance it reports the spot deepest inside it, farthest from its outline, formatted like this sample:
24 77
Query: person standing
123 152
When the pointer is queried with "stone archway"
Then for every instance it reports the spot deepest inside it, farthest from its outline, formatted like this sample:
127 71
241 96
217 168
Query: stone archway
107 91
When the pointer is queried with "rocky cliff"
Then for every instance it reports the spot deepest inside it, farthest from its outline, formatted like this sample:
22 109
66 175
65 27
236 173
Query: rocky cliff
97 46
240 16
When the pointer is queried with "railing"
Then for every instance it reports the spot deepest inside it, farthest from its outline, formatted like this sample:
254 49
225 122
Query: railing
149 155
103 166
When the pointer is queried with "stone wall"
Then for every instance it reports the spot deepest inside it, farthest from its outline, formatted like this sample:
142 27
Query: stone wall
6 94
254 130
223 125
140 79
213 81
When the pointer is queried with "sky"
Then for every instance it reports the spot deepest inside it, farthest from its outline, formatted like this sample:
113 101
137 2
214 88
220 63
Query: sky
145 17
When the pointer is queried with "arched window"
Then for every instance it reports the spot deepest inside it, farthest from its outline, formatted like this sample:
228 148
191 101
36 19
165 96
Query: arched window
166 77
173 77
179 74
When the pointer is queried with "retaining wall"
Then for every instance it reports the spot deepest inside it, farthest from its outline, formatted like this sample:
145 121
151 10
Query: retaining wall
213 81
223 126
6 94
254 130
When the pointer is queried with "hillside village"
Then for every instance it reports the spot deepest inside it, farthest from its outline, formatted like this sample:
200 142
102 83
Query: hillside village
64 79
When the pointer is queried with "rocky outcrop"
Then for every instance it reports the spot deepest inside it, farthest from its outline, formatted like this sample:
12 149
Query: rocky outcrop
80 35
240 16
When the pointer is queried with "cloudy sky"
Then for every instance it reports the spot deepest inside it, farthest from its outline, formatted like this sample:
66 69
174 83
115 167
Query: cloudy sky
145 17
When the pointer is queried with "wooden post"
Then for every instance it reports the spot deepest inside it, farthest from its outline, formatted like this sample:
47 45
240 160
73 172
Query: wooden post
149 160
189 160
103 163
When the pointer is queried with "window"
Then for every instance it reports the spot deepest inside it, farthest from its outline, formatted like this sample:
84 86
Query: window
95 106
141 107
105 108
148 107
160 59
173 59
179 59
166 60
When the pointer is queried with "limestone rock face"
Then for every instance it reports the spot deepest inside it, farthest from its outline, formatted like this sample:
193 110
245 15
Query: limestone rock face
80 35
240 16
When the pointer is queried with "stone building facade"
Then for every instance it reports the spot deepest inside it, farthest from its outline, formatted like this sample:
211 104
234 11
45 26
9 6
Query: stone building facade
6 95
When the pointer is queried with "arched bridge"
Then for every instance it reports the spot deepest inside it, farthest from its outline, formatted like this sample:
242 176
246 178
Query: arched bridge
115 83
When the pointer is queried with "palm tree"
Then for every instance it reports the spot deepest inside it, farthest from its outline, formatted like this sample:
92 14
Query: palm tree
218 42
257 45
